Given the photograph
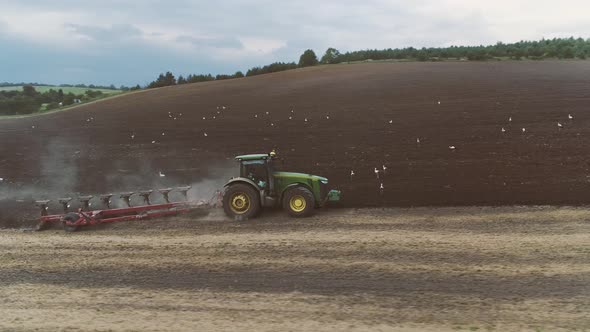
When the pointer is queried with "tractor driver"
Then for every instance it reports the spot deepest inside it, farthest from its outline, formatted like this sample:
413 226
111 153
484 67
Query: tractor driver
257 173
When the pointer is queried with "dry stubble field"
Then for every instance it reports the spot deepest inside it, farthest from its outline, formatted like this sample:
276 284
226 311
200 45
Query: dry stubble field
517 268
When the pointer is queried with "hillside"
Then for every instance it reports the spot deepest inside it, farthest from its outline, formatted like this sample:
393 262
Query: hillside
359 117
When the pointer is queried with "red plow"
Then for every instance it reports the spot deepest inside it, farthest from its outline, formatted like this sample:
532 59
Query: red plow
84 216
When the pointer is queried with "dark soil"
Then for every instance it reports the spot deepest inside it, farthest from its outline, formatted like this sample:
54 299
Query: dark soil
90 150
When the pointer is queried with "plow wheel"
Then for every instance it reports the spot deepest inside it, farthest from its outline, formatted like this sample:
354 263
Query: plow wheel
71 217
299 202
241 201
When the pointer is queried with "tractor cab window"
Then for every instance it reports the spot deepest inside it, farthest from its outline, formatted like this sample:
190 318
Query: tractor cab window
255 170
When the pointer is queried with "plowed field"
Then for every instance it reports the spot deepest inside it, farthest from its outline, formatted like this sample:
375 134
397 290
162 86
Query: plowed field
359 117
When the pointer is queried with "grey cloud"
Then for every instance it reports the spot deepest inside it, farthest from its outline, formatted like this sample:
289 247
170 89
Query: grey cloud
115 32
221 42
347 25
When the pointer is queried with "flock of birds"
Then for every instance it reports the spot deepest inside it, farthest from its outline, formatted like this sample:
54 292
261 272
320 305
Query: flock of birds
383 169
378 172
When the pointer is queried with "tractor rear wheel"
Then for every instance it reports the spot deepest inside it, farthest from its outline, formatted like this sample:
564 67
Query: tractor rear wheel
241 201
71 217
299 202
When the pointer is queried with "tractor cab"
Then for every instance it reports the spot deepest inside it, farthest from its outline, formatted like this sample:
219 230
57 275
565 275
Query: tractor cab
259 168
260 185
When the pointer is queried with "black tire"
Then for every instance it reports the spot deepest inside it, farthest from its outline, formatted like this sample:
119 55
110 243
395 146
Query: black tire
299 202
241 201
71 217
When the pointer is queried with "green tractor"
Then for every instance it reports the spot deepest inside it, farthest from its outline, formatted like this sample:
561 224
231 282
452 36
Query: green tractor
260 185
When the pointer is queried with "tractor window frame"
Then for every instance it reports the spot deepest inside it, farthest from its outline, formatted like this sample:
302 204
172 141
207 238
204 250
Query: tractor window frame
245 163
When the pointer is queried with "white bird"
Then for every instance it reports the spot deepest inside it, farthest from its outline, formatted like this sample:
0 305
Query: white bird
503 130
217 107
133 136
204 118
1 179
305 119
272 124
290 118
452 147
384 169
222 107
161 174
163 134
214 117
523 130
351 173
255 115
569 116
292 111
327 117
439 102
33 127
381 186
174 118
390 121
266 112
417 140
376 172
218 112
510 119
205 134
559 125
180 114
153 142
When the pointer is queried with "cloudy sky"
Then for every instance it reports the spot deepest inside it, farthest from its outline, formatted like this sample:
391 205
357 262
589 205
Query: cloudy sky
131 41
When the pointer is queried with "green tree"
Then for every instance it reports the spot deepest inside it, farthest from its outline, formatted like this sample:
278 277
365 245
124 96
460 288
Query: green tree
29 90
308 58
163 80
331 56
169 79
181 80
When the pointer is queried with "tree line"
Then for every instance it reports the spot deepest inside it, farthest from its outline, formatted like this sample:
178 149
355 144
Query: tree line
28 100
560 48
89 86
308 58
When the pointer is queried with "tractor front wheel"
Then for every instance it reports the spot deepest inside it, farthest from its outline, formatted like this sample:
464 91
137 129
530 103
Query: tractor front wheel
299 202
241 201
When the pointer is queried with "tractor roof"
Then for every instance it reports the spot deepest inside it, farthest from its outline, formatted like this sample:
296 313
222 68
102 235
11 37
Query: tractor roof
258 156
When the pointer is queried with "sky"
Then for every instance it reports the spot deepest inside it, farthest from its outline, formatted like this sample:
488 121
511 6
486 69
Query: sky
128 42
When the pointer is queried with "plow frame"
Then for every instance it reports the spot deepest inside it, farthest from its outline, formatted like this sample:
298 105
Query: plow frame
71 221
